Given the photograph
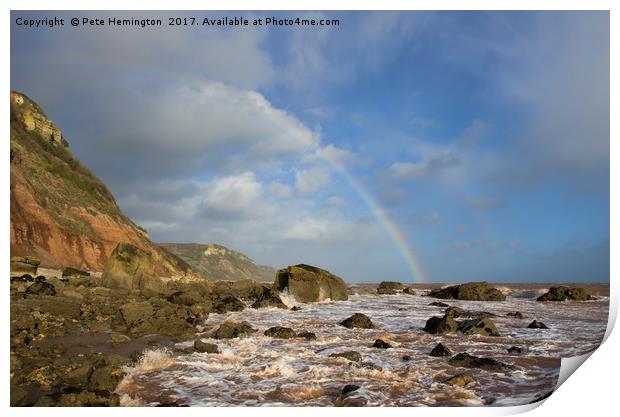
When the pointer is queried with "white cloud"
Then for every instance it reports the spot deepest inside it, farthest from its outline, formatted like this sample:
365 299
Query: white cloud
312 180
234 193
280 190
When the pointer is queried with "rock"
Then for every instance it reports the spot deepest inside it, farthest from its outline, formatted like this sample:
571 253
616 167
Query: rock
24 265
484 327
279 332
515 350
455 312
357 321
564 294
310 284
72 272
440 350
231 329
407 358
381 344
371 366
440 325
186 298
136 311
349 388
439 304
537 325
409 291
296 308
204 347
389 287
516 315
119 339
475 291
132 268
351 355
459 380
307 335
268 298
41 288
226 303
465 360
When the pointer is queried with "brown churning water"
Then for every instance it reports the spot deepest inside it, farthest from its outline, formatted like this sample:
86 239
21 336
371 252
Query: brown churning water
259 370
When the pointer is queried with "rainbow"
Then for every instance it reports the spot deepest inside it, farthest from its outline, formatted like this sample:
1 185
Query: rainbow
404 248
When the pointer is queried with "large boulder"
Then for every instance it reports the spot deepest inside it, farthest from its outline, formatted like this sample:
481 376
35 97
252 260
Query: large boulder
24 265
483 327
440 325
474 291
279 332
565 294
310 284
132 268
350 355
389 287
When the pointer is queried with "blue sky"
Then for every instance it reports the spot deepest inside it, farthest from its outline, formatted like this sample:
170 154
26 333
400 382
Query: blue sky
483 136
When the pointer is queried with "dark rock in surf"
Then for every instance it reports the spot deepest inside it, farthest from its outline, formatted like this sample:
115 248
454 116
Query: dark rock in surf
484 327
307 335
516 315
537 325
455 312
381 344
357 321
565 294
439 304
205 347
349 388
516 350
440 350
231 329
351 355
296 308
474 291
465 360
409 291
440 325
407 358
279 332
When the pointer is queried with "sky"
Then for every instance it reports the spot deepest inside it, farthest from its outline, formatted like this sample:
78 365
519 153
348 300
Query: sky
407 146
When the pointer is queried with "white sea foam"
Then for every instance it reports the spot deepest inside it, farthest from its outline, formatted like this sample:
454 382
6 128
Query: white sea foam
259 370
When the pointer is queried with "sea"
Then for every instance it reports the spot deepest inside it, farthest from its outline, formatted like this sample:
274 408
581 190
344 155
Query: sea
263 371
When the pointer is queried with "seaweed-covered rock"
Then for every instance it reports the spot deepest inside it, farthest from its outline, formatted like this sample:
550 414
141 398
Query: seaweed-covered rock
465 360
409 291
389 287
515 314
205 347
515 350
440 325
440 350
455 312
231 329
279 332
565 294
459 380
484 327
439 304
268 298
357 321
351 355
310 284
475 291
307 335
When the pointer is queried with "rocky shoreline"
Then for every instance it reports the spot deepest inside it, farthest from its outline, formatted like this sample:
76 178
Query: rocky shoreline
74 337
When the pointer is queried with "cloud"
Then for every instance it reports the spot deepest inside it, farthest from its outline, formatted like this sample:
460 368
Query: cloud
312 180
233 193
280 190
425 168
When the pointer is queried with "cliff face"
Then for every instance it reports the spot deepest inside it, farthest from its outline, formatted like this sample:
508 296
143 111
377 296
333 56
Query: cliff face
60 212
217 262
